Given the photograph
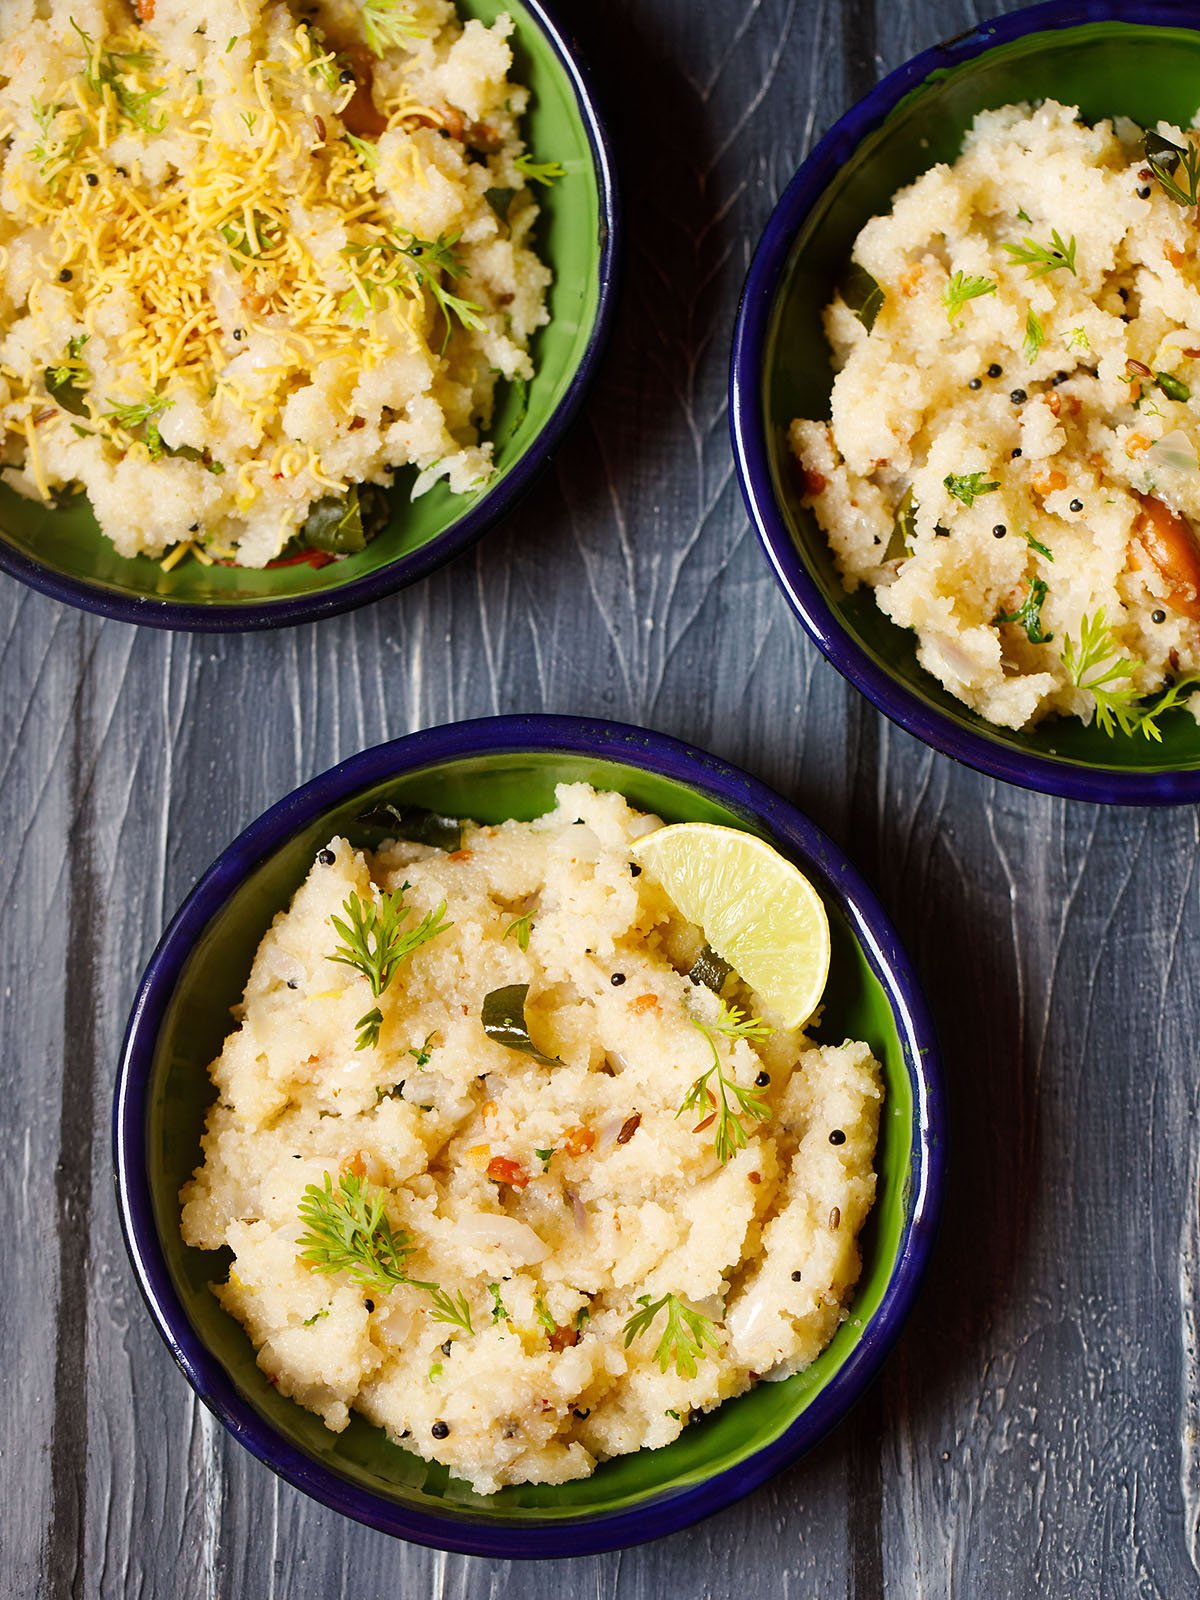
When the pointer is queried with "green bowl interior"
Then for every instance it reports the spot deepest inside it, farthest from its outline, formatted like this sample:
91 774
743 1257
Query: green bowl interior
492 788
68 542
1106 69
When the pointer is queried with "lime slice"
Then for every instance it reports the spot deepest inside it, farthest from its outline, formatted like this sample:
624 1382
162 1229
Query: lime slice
757 910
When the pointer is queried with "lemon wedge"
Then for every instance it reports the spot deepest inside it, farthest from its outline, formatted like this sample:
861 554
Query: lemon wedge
757 910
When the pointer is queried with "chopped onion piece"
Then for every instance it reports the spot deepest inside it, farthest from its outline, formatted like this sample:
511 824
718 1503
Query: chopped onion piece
606 1135
1174 451
578 1209
486 1230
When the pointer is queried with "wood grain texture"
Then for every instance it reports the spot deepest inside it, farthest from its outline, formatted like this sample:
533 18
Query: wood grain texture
1038 1429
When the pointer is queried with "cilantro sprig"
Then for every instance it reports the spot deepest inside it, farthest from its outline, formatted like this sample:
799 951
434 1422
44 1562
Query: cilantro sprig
389 23
108 72
1028 614
1035 336
349 1231
968 486
139 419
730 1101
375 942
684 1337
410 265
543 172
366 152
1095 665
52 154
959 290
1044 258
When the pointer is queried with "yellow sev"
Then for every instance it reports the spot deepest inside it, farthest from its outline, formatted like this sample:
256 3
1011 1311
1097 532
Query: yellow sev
157 247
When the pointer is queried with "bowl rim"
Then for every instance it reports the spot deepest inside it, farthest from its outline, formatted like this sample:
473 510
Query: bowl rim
671 1510
224 616
1060 777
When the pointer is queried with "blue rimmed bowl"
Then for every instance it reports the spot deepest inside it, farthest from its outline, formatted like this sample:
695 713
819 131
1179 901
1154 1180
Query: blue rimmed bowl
492 770
61 551
1107 57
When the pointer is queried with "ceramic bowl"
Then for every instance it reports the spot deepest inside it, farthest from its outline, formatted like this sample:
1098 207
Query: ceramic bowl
1107 57
62 552
492 770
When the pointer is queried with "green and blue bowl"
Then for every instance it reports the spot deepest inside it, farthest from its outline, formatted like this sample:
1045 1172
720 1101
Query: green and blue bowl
1105 56
61 551
492 770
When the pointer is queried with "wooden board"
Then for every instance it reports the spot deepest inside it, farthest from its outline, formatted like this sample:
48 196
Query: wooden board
1036 1431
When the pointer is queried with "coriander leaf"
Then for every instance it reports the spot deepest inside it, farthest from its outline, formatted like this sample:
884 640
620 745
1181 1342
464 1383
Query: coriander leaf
324 67
366 152
1077 339
1036 544
422 1054
520 927
730 1133
431 260
1035 336
1094 665
969 486
109 72
684 1337
1029 614
452 1309
503 1018
862 294
545 1157
403 264
959 290
543 172
1044 258
140 421
1170 699
389 23
251 235
499 1310
368 1029
374 943
542 1314
348 1231
137 414
735 1024
52 155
